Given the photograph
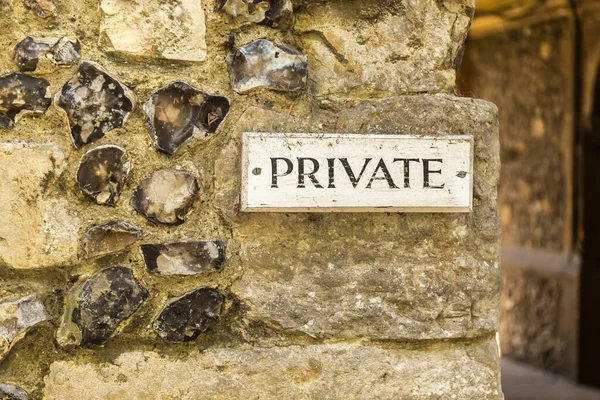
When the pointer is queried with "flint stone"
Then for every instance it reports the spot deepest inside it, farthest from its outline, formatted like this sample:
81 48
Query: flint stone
21 94
183 258
264 64
109 238
61 52
335 371
42 8
396 47
16 318
166 196
185 318
106 299
381 276
37 229
102 173
274 13
179 112
94 103
173 30
11 392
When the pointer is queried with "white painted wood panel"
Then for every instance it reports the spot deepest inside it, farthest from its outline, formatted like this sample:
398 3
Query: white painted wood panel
291 172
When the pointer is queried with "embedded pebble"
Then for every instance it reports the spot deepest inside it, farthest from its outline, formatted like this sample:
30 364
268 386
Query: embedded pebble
10 392
102 173
274 13
109 238
264 64
22 94
61 52
94 102
185 318
16 318
179 112
106 299
42 8
166 196
183 257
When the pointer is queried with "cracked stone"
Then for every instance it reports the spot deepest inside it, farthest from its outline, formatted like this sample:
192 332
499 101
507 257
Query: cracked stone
179 112
185 318
166 196
61 52
94 103
274 13
109 238
20 95
16 318
183 257
107 299
11 392
41 8
102 173
264 64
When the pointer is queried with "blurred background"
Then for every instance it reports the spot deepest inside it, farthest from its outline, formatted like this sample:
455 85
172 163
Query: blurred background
539 62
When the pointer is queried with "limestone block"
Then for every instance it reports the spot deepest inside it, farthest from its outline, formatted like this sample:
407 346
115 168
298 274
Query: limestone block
384 276
172 30
37 229
362 47
342 372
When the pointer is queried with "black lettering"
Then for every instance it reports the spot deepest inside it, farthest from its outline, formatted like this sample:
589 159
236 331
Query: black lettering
353 179
386 175
427 171
407 162
274 174
311 175
330 165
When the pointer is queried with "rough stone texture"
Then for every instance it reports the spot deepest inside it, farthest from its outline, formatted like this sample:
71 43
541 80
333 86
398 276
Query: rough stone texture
274 13
21 94
16 318
385 47
42 8
176 30
60 52
340 372
108 238
11 392
37 228
384 276
102 173
183 257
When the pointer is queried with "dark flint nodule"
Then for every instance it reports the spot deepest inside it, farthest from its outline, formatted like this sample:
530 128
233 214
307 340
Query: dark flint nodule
274 13
10 392
41 8
109 238
62 52
183 257
94 102
166 196
22 94
107 299
186 317
264 64
178 112
102 173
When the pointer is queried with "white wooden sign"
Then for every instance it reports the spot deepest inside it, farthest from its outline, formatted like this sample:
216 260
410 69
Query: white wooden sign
290 172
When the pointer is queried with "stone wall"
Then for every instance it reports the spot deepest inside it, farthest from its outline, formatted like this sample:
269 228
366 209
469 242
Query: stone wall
127 269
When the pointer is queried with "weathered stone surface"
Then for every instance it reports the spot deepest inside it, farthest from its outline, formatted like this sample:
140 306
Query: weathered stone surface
396 276
16 318
21 94
60 52
274 13
183 257
107 299
11 392
340 371
94 103
166 196
102 173
264 64
37 229
386 47
173 30
42 8
185 318
108 238
179 112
